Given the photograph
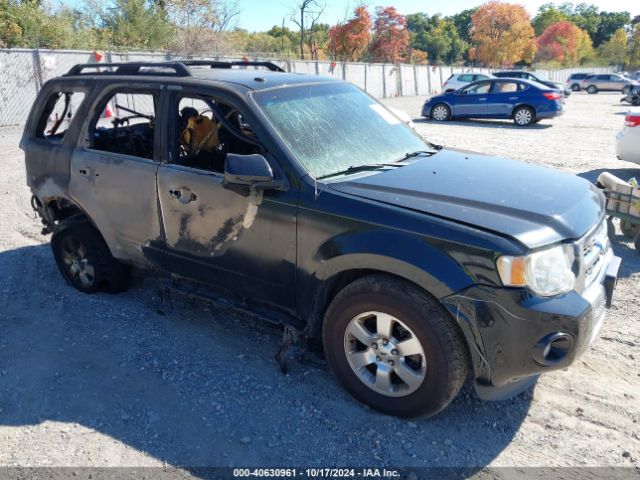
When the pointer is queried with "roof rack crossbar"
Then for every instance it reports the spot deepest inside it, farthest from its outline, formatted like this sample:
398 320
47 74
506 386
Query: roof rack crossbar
221 64
131 68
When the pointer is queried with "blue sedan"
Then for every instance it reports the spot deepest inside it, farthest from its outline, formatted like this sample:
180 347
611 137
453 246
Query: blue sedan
524 101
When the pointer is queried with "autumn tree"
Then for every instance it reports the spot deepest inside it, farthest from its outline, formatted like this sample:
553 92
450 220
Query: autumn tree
563 42
615 50
349 41
390 37
502 34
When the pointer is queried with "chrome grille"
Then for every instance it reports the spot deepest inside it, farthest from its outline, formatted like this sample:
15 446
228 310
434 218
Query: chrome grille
592 249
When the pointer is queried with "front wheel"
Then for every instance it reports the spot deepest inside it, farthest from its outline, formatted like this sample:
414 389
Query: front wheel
393 347
592 89
441 112
626 90
524 116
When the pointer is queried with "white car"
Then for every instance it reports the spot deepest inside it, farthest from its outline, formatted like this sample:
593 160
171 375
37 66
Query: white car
628 140
459 80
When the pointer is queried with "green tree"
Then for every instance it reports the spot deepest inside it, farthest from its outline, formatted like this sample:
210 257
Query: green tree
548 14
138 24
437 36
462 21
610 23
614 51
634 46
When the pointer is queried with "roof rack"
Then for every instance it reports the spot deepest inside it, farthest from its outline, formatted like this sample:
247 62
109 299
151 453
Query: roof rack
219 64
131 68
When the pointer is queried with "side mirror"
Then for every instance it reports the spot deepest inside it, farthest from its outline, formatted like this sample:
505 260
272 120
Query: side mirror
247 170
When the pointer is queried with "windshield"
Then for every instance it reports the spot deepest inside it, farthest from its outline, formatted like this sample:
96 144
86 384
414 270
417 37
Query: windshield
333 126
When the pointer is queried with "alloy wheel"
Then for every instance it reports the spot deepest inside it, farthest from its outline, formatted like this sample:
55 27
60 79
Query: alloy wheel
76 261
385 354
440 113
523 116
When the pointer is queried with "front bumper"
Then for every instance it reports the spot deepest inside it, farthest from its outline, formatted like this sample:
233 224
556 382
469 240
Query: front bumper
514 336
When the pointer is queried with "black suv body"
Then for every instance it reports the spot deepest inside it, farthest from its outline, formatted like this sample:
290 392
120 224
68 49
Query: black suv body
534 78
318 208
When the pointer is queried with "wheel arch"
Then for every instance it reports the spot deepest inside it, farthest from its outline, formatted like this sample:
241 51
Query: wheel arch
524 104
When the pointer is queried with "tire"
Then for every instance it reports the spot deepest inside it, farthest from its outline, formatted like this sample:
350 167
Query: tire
85 262
636 102
592 89
629 230
636 243
611 228
626 90
524 116
575 87
440 112
435 373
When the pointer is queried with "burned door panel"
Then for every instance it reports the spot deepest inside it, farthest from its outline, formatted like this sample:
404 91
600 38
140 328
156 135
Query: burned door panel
244 242
118 193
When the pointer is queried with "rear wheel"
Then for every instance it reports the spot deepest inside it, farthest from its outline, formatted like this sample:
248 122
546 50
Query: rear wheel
524 116
394 347
626 90
592 89
629 229
440 112
575 87
86 262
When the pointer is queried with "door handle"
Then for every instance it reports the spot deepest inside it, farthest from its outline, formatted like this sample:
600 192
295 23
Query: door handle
183 195
513 98
482 99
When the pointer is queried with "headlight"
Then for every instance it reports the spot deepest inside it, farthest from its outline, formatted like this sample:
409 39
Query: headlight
546 273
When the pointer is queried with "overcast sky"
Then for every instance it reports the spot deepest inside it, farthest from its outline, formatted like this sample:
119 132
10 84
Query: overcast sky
258 15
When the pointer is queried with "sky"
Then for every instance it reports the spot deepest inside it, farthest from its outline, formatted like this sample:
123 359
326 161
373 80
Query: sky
260 15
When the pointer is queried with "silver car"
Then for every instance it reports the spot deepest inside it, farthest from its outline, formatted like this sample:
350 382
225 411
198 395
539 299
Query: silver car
607 82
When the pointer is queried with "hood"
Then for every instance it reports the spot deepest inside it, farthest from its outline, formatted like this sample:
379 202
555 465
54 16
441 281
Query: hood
535 205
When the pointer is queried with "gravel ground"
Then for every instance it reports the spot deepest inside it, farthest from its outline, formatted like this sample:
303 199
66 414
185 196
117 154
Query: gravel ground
126 381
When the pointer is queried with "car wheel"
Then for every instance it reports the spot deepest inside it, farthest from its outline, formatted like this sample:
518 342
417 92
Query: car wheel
440 112
626 90
86 262
575 88
592 89
629 229
636 243
393 347
524 116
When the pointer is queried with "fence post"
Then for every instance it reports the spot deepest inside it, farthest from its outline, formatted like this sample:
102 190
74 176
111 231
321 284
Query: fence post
384 81
429 80
37 69
415 80
399 86
366 67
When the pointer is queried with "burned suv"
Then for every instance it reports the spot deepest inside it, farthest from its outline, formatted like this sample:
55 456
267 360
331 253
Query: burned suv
306 202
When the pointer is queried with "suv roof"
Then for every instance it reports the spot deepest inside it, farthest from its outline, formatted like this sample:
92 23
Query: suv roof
254 79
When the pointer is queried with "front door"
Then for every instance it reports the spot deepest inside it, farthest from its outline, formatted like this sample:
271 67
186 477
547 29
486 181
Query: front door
472 102
232 238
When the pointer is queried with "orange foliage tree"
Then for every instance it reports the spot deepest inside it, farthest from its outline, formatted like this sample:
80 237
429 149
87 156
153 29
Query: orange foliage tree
349 41
564 43
390 37
502 34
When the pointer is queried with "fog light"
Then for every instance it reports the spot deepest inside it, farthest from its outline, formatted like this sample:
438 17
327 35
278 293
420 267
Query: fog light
553 349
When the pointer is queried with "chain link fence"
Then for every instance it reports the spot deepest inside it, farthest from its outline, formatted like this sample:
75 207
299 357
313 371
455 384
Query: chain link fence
24 71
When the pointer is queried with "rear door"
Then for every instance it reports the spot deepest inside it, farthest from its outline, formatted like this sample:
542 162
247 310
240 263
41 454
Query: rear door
472 100
242 241
502 98
113 170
